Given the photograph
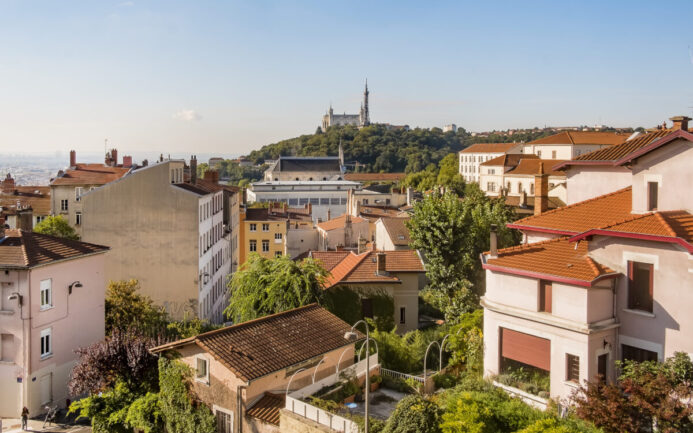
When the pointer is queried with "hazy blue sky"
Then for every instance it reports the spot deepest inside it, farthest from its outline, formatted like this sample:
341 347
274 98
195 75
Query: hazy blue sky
202 76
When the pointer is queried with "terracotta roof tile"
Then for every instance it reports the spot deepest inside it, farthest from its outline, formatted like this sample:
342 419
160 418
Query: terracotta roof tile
90 174
613 153
267 408
36 197
397 230
508 160
576 218
339 222
329 259
489 147
361 268
531 167
556 259
272 343
27 249
375 177
583 137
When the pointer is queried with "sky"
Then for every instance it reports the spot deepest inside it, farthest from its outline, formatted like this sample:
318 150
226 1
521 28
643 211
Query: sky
227 77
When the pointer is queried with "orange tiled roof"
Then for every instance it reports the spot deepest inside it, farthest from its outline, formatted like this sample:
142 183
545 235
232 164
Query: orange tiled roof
556 260
509 159
90 174
583 137
36 197
267 408
361 268
531 167
24 249
375 177
489 148
259 347
576 218
329 259
339 222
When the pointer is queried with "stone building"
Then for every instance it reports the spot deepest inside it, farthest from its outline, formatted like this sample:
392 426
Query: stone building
358 120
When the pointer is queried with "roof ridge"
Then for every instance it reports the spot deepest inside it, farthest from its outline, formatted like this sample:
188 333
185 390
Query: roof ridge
570 206
666 224
530 244
570 137
593 265
627 220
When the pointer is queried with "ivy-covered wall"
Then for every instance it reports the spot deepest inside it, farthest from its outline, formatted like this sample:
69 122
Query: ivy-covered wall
345 303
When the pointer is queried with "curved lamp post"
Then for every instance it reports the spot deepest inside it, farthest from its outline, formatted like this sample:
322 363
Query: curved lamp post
336 372
426 357
351 335
442 345
361 349
292 378
316 369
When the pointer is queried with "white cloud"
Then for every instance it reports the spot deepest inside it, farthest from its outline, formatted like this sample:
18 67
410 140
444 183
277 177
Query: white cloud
187 115
126 4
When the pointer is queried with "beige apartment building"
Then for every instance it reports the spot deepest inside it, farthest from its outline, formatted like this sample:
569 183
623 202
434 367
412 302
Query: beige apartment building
71 184
176 237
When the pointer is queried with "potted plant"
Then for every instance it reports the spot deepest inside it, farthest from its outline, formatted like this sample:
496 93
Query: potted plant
375 382
351 390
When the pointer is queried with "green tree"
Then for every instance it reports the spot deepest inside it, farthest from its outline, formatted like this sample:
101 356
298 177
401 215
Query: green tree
414 414
449 174
452 233
267 286
181 411
56 226
127 308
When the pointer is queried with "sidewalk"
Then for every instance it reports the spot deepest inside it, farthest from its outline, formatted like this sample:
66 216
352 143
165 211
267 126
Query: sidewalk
13 425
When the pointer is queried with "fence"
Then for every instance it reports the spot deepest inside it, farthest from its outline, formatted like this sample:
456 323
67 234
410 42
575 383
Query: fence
398 375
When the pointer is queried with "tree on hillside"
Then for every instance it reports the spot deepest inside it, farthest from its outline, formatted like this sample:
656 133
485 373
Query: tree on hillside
56 226
452 233
267 286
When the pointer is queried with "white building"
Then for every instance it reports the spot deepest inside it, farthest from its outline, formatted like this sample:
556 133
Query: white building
472 157
571 144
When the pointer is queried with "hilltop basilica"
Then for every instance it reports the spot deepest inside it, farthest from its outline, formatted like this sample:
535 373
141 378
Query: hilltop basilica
359 120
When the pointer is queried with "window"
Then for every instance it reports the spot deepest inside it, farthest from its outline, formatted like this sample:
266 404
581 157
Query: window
40 218
46 343
572 368
265 246
531 189
265 227
491 171
46 294
293 202
277 238
402 315
602 361
253 246
640 290
519 187
637 354
545 296
652 190
553 154
7 352
277 254
78 192
224 421
491 186
78 218
314 201
334 200
539 153
63 205
253 227
202 370
325 201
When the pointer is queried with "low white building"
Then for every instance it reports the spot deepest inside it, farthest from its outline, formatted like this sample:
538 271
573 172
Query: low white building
571 144
472 157
323 195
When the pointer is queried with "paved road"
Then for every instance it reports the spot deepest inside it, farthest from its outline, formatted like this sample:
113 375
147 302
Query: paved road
14 426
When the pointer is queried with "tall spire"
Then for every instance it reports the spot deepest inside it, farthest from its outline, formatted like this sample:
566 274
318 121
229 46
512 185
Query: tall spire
366 120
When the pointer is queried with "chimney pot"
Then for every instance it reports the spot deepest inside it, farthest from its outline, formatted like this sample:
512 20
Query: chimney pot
680 122
127 161
73 158
193 169
494 241
114 157
541 191
329 214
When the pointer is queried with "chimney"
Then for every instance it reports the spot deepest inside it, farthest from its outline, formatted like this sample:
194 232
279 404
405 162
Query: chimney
114 157
127 161
541 191
25 219
494 241
347 230
211 176
380 260
362 245
73 158
329 214
523 199
8 184
193 169
680 122
310 209
410 196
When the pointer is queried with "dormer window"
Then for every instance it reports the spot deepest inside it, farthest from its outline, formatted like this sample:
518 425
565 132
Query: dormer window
652 193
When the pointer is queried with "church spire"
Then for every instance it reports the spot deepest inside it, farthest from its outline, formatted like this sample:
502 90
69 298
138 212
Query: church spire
365 120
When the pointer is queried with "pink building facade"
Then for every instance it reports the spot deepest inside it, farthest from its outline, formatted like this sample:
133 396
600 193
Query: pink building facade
603 279
53 293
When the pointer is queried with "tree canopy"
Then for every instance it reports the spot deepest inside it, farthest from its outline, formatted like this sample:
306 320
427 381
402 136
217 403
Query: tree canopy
267 286
56 226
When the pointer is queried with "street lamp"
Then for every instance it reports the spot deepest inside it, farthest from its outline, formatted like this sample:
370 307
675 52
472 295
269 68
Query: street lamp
76 284
362 346
351 335
442 345
17 296
292 378
425 358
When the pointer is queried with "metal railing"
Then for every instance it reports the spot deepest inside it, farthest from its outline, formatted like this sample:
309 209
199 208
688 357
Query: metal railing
398 375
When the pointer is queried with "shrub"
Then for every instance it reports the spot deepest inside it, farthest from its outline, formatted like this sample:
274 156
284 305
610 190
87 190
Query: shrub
444 380
414 414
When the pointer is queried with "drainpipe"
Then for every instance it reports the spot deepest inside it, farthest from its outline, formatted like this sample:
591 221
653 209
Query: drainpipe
239 406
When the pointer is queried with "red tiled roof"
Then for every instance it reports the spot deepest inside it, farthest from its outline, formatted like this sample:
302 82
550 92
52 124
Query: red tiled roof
259 347
489 148
329 259
375 177
267 408
36 197
556 260
24 249
531 167
583 137
339 222
508 160
361 268
576 218
90 174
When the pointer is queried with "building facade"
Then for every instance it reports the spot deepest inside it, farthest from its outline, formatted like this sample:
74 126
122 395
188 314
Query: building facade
53 294
571 144
358 120
472 157
23 206
305 169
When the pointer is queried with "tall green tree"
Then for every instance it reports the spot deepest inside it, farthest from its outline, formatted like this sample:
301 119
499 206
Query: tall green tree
56 226
127 308
452 233
449 174
267 286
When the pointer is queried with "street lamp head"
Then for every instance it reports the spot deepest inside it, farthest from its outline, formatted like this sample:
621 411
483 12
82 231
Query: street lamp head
350 335
74 284
16 296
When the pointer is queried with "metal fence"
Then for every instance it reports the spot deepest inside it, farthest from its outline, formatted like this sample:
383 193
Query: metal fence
398 375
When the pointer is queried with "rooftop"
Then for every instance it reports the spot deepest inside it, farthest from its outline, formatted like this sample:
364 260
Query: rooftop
267 408
90 174
361 268
339 222
22 249
375 177
308 163
397 230
584 137
272 343
509 159
531 167
278 214
489 147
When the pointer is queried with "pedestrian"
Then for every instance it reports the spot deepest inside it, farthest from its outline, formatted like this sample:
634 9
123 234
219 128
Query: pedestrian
25 417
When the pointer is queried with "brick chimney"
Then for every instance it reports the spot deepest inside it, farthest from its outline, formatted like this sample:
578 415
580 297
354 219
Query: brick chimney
127 161
381 263
541 191
25 219
680 122
73 158
114 157
493 250
329 214
193 169
362 245
347 230
211 176
8 184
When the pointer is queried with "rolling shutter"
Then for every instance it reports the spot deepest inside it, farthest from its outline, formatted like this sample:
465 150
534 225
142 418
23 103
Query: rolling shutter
526 349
